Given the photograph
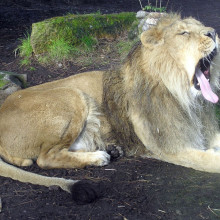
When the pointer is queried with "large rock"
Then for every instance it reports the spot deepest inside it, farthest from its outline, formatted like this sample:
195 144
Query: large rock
74 28
145 20
149 20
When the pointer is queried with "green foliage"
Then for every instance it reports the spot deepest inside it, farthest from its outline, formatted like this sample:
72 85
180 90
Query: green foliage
65 38
43 59
2 83
98 12
32 68
1 76
124 47
25 61
59 49
79 29
155 9
25 48
88 42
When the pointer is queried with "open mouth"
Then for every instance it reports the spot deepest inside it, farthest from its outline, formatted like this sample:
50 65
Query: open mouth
201 79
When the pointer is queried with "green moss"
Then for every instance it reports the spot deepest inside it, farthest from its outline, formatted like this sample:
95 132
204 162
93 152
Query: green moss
25 61
59 49
74 29
25 50
2 83
88 42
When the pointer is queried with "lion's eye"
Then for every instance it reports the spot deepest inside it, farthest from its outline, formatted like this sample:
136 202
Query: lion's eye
184 33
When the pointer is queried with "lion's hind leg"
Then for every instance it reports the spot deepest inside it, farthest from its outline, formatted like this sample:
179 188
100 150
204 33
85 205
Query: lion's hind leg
20 161
15 160
87 149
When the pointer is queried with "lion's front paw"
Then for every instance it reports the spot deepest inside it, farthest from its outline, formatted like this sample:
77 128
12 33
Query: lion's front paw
115 151
101 158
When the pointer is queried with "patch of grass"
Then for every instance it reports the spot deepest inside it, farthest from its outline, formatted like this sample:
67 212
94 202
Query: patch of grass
32 68
2 83
43 59
25 50
89 42
154 8
59 49
25 61
124 47
70 37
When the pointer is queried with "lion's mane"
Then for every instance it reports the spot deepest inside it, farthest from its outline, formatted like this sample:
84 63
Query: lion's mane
153 84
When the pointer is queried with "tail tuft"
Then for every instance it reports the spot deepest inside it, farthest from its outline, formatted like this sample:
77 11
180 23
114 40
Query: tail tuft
86 191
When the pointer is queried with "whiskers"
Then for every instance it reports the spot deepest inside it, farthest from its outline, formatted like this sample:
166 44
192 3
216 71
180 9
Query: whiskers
209 58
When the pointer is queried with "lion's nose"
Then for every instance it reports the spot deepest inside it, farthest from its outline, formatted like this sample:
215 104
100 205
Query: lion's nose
211 34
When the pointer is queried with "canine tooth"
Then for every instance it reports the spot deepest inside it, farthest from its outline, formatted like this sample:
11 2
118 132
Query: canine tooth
158 130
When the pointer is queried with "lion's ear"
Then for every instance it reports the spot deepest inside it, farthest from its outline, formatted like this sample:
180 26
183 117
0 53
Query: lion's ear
152 37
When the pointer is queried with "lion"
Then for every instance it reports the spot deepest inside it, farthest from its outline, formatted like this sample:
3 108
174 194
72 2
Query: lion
159 103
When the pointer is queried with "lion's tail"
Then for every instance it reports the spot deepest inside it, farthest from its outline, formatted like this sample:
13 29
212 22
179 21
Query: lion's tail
82 191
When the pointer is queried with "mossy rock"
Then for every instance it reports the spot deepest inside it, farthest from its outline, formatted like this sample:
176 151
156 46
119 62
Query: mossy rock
74 28
3 82
9 83
7 78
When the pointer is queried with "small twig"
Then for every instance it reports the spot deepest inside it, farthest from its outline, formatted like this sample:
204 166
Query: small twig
124 218
159 210
167 3
213 211
141 4
127 203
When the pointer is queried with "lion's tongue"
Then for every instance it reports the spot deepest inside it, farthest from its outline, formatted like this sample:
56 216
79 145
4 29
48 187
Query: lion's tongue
205 87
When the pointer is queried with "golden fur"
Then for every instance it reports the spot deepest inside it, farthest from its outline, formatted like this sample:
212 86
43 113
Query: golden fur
149 106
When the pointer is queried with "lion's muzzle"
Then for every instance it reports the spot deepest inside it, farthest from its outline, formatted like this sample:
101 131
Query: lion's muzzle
201 79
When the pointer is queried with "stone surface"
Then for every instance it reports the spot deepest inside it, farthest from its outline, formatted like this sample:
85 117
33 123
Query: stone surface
149 20
141 14
10 82
145 20
75 29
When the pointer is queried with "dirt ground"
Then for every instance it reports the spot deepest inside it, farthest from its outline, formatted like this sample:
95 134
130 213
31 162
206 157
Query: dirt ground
136 188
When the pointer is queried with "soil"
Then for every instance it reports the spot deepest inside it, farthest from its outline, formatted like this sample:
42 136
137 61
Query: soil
136 188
